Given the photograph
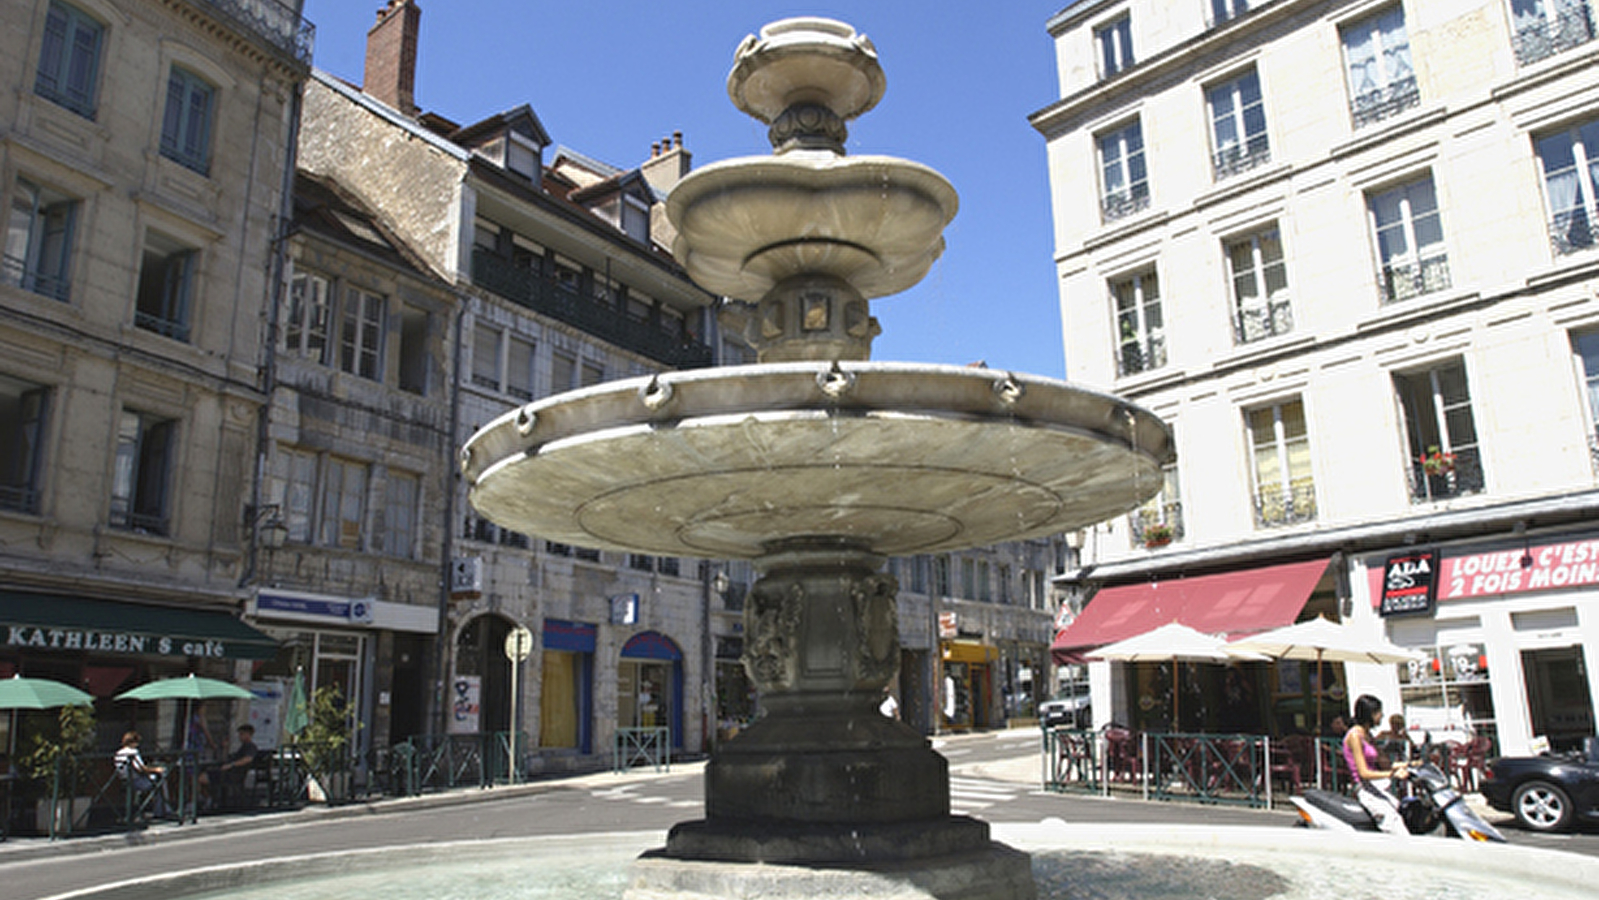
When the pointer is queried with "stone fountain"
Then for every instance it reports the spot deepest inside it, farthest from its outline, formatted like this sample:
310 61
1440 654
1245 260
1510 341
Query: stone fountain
817 464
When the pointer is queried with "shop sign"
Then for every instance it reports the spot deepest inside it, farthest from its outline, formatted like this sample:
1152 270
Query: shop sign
1409 583
358 611
38 637
1533 568
948 623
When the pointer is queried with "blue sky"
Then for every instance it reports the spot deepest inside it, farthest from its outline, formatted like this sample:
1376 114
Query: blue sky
608 78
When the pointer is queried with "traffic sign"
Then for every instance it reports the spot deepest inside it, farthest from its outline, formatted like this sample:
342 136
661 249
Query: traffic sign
518 644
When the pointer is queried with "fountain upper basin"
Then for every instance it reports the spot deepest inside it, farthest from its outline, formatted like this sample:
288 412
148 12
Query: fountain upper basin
893 457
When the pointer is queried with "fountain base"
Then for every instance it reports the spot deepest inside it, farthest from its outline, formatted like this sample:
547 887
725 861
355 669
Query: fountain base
991 871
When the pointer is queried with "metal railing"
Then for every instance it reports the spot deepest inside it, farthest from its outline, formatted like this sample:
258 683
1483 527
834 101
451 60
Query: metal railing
1538 38
642 746
594 315
440 762
1571 232
15 272
1463 476
1278 505
1383 103
1238 769
1237 158
279 24
1271 319
1405 280
1122 204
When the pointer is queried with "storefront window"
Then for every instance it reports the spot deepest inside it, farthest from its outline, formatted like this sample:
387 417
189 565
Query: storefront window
1446 695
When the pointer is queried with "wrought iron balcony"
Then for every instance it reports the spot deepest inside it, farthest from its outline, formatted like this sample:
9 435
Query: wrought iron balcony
1402 281
1220 12
1122 204
1141 356
1539 38
1571 232
139 523
1237 158
1462 476
19 498
1170 515
1256 323
1386 102
1277 505
15 272
278 24
594 315
172 328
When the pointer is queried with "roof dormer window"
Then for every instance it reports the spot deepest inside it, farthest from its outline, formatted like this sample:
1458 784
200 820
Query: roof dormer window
522 157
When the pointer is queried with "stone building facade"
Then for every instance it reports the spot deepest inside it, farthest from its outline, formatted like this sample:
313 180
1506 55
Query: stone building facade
1345 249
143 151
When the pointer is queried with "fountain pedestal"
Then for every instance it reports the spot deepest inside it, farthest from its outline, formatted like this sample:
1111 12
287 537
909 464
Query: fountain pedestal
824 792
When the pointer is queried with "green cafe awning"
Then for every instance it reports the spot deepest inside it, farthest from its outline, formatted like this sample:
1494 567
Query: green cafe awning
55 623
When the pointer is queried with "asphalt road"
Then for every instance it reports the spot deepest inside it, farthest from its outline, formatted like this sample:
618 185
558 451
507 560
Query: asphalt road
994 776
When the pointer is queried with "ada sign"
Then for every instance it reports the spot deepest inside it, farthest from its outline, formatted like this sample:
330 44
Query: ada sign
1410 583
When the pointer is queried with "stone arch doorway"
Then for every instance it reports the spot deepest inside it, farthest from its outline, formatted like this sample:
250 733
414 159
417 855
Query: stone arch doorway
480 659
649 687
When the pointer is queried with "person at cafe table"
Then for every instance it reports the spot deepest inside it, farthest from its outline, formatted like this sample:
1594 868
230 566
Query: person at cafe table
141 776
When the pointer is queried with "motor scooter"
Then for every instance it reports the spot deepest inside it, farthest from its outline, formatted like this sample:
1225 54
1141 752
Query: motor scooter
1426 800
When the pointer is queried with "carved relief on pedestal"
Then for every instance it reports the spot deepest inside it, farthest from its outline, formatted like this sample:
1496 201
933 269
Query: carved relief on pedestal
771 625
877 630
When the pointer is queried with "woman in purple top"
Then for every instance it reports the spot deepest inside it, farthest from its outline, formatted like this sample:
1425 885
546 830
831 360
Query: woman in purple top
1372 787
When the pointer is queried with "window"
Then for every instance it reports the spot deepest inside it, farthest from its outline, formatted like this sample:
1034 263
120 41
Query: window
1115 42
1140 330
641 562
563 373
1546 27
1440 433
413 350
486 357
1279 443
985 584
297 470
38 249
166 279
310 314
519 368
186 124
1160 520
635 219
1238 125
1585 346
1410 241
1002 573
592 373
1382 82
143 467
69 60
343 504
22 419
399 518
969 579
1570 162
1122 174
361 334
1260 286
941 582
1226 10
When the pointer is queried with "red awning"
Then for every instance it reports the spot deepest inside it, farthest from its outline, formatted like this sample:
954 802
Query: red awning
1231 603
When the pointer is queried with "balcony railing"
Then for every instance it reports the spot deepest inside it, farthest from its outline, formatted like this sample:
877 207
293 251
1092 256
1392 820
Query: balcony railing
1125 203
1238 158
1402 281
1571 232
139 523
1464 476
599 318
1258 322
172 328
1278 505
1385 102
279 24
1170 514
19 498
1539 38
1142 356
1220 12
15 272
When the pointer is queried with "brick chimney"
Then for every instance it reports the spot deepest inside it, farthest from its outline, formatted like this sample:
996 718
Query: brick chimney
391 55
668 162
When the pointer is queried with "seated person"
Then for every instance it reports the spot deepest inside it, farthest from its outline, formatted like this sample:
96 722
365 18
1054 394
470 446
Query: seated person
228 776
1395 741
143 779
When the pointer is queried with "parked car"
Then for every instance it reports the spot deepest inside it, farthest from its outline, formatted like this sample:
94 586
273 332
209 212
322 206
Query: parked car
1549 792
1066 710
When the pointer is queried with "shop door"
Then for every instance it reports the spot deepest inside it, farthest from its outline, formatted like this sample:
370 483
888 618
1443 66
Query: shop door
558 710
1557 696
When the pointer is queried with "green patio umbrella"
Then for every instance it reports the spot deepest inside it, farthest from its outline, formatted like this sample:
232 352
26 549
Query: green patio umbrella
298 715
192 687
18 692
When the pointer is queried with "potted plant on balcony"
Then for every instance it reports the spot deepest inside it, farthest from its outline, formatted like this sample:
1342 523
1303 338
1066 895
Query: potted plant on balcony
1437 462
1158 534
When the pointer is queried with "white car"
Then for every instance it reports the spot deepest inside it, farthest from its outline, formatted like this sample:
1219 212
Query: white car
1066 710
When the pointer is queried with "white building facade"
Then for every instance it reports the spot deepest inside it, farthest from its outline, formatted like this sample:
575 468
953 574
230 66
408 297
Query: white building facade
1345 249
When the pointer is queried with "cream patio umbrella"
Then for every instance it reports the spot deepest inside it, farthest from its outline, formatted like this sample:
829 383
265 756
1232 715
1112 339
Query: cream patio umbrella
1323 640
1174 642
